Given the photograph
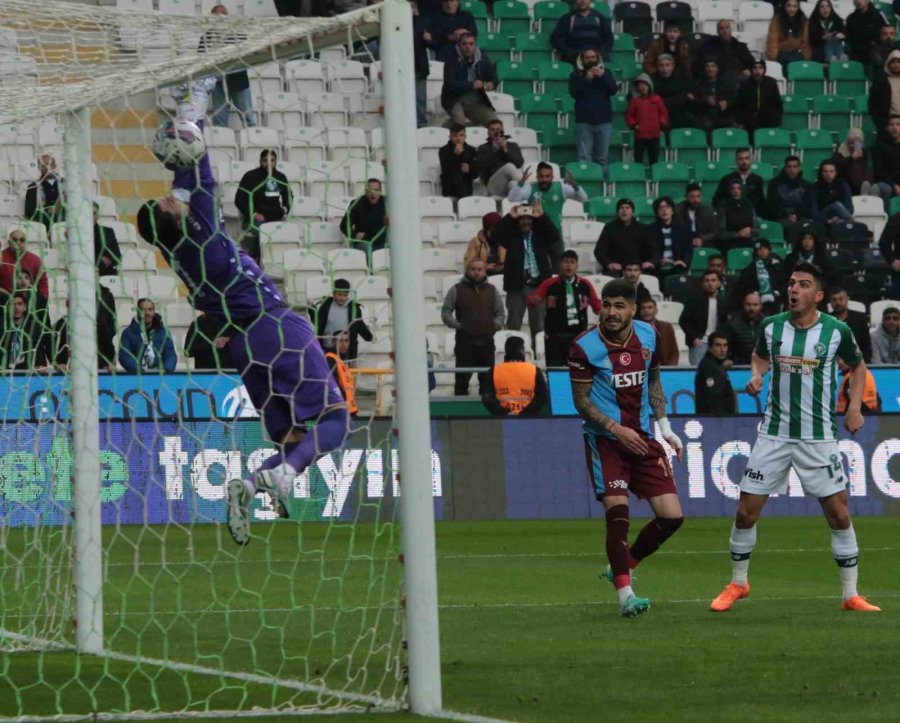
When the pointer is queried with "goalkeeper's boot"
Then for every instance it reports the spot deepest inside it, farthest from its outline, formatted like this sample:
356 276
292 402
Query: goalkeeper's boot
607 575
729 596
240 495
859 604
634 606
279 490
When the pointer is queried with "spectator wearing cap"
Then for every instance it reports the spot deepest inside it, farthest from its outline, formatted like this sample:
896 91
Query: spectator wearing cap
668 345
738 218
754 186
530 240
516 387
758 101
340 312
886 338
733 57
623 240
469 75
458 168
700 219
485 248
448 26
673 44
764 275
830 198
710 100
580 29
568 297
647 116
499 160
550 195
788 37
592 85
884 96
672 87
672 241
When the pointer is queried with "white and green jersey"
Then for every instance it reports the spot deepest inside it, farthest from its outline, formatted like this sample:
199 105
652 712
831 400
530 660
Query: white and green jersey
804 375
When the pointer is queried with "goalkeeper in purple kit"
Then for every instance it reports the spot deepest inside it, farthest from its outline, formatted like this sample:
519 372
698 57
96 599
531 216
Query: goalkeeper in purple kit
275 351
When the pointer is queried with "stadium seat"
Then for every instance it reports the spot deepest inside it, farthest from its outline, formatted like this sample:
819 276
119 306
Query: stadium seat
532 48
834 113
547 12
771 230
589 176
336 206
585 233
688 145
634 18
877 309
669 310
700 259
623 51
436 209
754 18
305 77
776 73
381 261
849 235
540 112
347 143
347 77
282 111
772 145
870 211
137 5
260 9
325 180
677 287
221 143
675 12
528 143
561 145
848 78
710 12
643 208
670 179
602 209
709 173
627 179
325 109
729 139
516 78
806 78
254 140
177 7
317 288
372 288
765 171
814 147
475 207
324 237
504 107
554 78
457 233
304 146
345 262
511 17
796 113
441 262
738 259
266 79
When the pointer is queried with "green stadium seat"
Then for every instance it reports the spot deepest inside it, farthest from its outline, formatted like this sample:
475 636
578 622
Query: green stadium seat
555 77
622 50
541 112
618 143
602 8
772 144
688 146
729 139
807 79
643 208
670 178
497 46
815 146
711 172
516 79
532 48
590 176
511 17
602 209
547 12
848 77
895 205
738 259
779 248
834 112
887 9
700 259
627 72
629 179
796 113
767 171
619 106
561 146
476 7
771 230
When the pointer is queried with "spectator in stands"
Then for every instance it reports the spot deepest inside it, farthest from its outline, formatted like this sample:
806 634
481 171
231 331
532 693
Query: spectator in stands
469 75
340 312
499 160
738 218
700 219
787 193
672 240
623 240
146 345
754 186
43 197
703 313
550 195
788 38
668 345
887 43
340 370
473 308
887 159
710 100
886 338
206 343
24 344
830 198
713 393
884 96
484 246
871 401
37 302
515 387
672 43
106 334
809 249
422 39
592 85
567 297
448 28
765 275
106 247
458 168
632 272
889 243
14 259
530 240
672 87
715 263
365 223
758 102
233 89
856 320
733 57
743 328
263 196
580 29
647 117
826 33
852 163
863 29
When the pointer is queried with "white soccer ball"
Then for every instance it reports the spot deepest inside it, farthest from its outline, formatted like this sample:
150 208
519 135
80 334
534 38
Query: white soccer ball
179 145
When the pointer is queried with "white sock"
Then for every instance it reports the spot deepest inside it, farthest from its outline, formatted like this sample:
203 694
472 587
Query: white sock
741 545
845 550
283 475
624 593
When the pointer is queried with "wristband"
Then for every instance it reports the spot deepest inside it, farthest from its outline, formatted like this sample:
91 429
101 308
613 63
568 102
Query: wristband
664 427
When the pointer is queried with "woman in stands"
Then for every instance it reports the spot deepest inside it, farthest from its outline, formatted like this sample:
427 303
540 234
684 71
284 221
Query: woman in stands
826 33
788 38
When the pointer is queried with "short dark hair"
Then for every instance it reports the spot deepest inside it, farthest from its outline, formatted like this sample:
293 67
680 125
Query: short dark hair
619 288
514 349
692 186
714 255
661 200
373 180
466 35
265 152
157 227
23 295
805 267
569 254
709 272
791 158
890 310
544 166
827 162
742 149
648 300
892 116
834 289
340 285
716 335
456 127
143 299
670 24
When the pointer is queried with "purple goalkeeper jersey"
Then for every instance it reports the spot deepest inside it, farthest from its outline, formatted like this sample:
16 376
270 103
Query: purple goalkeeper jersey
221 277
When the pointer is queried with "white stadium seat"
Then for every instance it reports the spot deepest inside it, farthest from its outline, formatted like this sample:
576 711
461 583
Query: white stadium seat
371 288
304 77
282 111
436 209
324 110
254 140
669 311
456 233
475 207
305 145
347 77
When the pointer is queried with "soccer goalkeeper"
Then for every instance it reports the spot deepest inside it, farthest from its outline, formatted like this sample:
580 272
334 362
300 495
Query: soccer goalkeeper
275 351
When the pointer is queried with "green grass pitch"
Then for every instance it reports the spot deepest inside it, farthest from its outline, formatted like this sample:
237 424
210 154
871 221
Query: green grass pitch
528 631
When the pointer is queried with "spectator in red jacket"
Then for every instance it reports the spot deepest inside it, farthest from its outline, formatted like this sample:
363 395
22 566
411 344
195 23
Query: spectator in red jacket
647 117
15 258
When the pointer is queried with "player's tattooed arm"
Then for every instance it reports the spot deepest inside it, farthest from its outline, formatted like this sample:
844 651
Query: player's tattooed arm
581 393
656 394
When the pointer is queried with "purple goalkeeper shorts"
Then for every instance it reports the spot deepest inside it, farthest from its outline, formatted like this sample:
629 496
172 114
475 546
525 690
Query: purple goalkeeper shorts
284 371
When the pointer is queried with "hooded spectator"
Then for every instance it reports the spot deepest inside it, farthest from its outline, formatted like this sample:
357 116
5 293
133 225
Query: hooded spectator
484 248
758 102
852 162
672 43
592 85
826 33
580 29
469 76
647 117
788 38
884 96
672 87
830 198
863 29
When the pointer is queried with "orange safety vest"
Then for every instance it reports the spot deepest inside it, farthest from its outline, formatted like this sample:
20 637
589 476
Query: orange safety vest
870 400
514 385
345 381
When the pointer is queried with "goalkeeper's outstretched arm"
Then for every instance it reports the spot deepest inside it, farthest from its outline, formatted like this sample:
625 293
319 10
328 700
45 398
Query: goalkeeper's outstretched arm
192 107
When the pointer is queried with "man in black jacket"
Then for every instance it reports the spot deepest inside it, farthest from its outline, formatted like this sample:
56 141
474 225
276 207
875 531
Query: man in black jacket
886 157
469 75
499 160
107 253
448 26
107 328
206 341
787 194
713 393
580 29
703 313
673 249
754 186
700 219
743 328
758 102
340 313
529 238
24 342
856 320
458 169
263 194
622 241
733 56
44 197
889 243
422 38
672 86
366 221
863 28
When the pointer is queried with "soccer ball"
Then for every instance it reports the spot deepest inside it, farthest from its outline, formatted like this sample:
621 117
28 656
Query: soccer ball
179 145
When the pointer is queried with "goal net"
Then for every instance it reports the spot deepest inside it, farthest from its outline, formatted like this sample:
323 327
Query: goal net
308 615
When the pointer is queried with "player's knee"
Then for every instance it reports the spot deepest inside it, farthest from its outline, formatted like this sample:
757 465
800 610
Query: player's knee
670 525
838 519
745 519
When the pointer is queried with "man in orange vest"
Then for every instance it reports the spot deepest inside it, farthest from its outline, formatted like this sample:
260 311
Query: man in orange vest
515 387
871 401
341 370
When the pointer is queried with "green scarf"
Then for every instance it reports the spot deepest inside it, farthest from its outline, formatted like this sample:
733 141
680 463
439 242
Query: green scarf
571 304
766 294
